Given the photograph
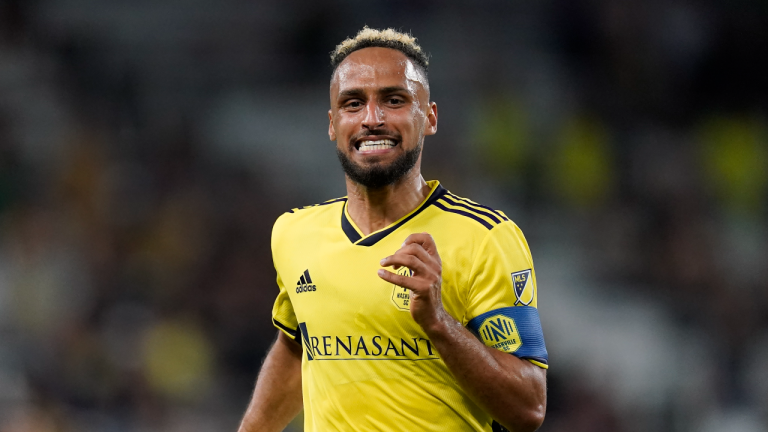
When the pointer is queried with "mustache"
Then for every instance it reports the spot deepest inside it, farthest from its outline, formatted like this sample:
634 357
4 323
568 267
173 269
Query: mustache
374 132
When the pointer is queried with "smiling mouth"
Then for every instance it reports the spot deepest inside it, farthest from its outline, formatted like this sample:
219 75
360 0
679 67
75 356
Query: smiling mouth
372 146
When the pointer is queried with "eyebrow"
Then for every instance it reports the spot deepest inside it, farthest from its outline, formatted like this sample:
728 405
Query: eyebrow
355 92
394 89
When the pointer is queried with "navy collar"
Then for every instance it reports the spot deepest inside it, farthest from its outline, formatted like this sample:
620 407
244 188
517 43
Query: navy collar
371 239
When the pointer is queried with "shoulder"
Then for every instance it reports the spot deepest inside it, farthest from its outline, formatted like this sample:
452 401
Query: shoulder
309 216
471 215
479 227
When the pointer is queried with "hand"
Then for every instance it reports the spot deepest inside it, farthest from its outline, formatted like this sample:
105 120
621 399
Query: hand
419 254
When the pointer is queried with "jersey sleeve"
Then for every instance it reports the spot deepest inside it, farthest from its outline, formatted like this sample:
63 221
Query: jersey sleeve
283 315
502 300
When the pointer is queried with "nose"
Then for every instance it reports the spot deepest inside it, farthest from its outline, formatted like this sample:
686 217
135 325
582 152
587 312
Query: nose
374 116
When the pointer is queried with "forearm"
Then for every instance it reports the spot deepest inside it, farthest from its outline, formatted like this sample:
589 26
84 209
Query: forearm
277 397
511 390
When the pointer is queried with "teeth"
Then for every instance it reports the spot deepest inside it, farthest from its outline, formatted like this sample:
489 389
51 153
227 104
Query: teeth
376 145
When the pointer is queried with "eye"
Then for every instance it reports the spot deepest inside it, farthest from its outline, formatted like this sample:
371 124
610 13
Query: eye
395 100
353 104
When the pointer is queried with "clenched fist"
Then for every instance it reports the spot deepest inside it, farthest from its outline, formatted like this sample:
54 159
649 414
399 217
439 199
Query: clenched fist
419 254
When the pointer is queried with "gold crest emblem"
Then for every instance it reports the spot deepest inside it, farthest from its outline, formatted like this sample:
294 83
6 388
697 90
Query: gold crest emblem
401 297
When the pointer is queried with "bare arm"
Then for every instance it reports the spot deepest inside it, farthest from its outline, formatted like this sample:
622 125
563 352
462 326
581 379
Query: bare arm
277 398
511 390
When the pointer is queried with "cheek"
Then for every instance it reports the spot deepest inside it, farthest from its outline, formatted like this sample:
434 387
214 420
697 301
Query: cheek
418 114
416 110
343 124
418 118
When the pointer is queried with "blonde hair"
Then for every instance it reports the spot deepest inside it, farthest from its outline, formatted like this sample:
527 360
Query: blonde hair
389 38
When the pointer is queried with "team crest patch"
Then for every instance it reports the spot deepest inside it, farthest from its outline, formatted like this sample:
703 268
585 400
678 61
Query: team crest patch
523 287
401 297
500 332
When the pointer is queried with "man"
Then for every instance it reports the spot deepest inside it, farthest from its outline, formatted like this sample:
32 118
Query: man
450 339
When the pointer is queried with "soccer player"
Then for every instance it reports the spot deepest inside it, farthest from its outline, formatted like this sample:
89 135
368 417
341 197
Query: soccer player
402 307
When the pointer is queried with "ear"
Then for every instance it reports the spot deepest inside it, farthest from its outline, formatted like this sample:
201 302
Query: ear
331 131
431 120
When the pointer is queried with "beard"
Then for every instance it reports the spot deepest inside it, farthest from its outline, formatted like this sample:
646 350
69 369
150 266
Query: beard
379 175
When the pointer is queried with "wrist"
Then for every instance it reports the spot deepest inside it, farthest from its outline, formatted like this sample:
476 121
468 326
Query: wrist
439 325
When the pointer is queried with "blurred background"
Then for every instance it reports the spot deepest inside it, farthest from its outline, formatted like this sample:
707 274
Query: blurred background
147 146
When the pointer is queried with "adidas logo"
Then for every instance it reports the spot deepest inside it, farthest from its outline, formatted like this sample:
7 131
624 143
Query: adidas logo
305 283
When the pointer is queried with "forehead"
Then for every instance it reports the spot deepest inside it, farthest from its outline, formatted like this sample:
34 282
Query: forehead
376 67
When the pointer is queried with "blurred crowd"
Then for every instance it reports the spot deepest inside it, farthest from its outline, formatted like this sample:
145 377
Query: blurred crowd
146 147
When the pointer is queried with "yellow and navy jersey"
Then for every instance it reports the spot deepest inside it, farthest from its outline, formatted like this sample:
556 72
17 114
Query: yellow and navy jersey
366 364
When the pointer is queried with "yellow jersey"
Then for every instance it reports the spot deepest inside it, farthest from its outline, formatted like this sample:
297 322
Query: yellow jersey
367 365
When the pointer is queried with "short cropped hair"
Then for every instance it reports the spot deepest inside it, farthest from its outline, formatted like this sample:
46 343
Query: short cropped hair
389 38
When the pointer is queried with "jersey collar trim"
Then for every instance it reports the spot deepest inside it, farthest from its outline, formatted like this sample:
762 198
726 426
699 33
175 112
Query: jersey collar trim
354 235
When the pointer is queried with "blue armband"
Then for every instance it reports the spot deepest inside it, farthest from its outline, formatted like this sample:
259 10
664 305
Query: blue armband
515 330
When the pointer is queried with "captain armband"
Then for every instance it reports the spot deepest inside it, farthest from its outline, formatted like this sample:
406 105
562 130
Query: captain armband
515 330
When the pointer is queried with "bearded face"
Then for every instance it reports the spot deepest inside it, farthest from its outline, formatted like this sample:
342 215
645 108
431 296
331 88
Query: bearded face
380 113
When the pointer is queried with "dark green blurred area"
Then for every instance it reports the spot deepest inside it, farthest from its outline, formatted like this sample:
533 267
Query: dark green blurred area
146 147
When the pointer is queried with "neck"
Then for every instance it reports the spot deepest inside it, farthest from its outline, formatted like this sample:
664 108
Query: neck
375 209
